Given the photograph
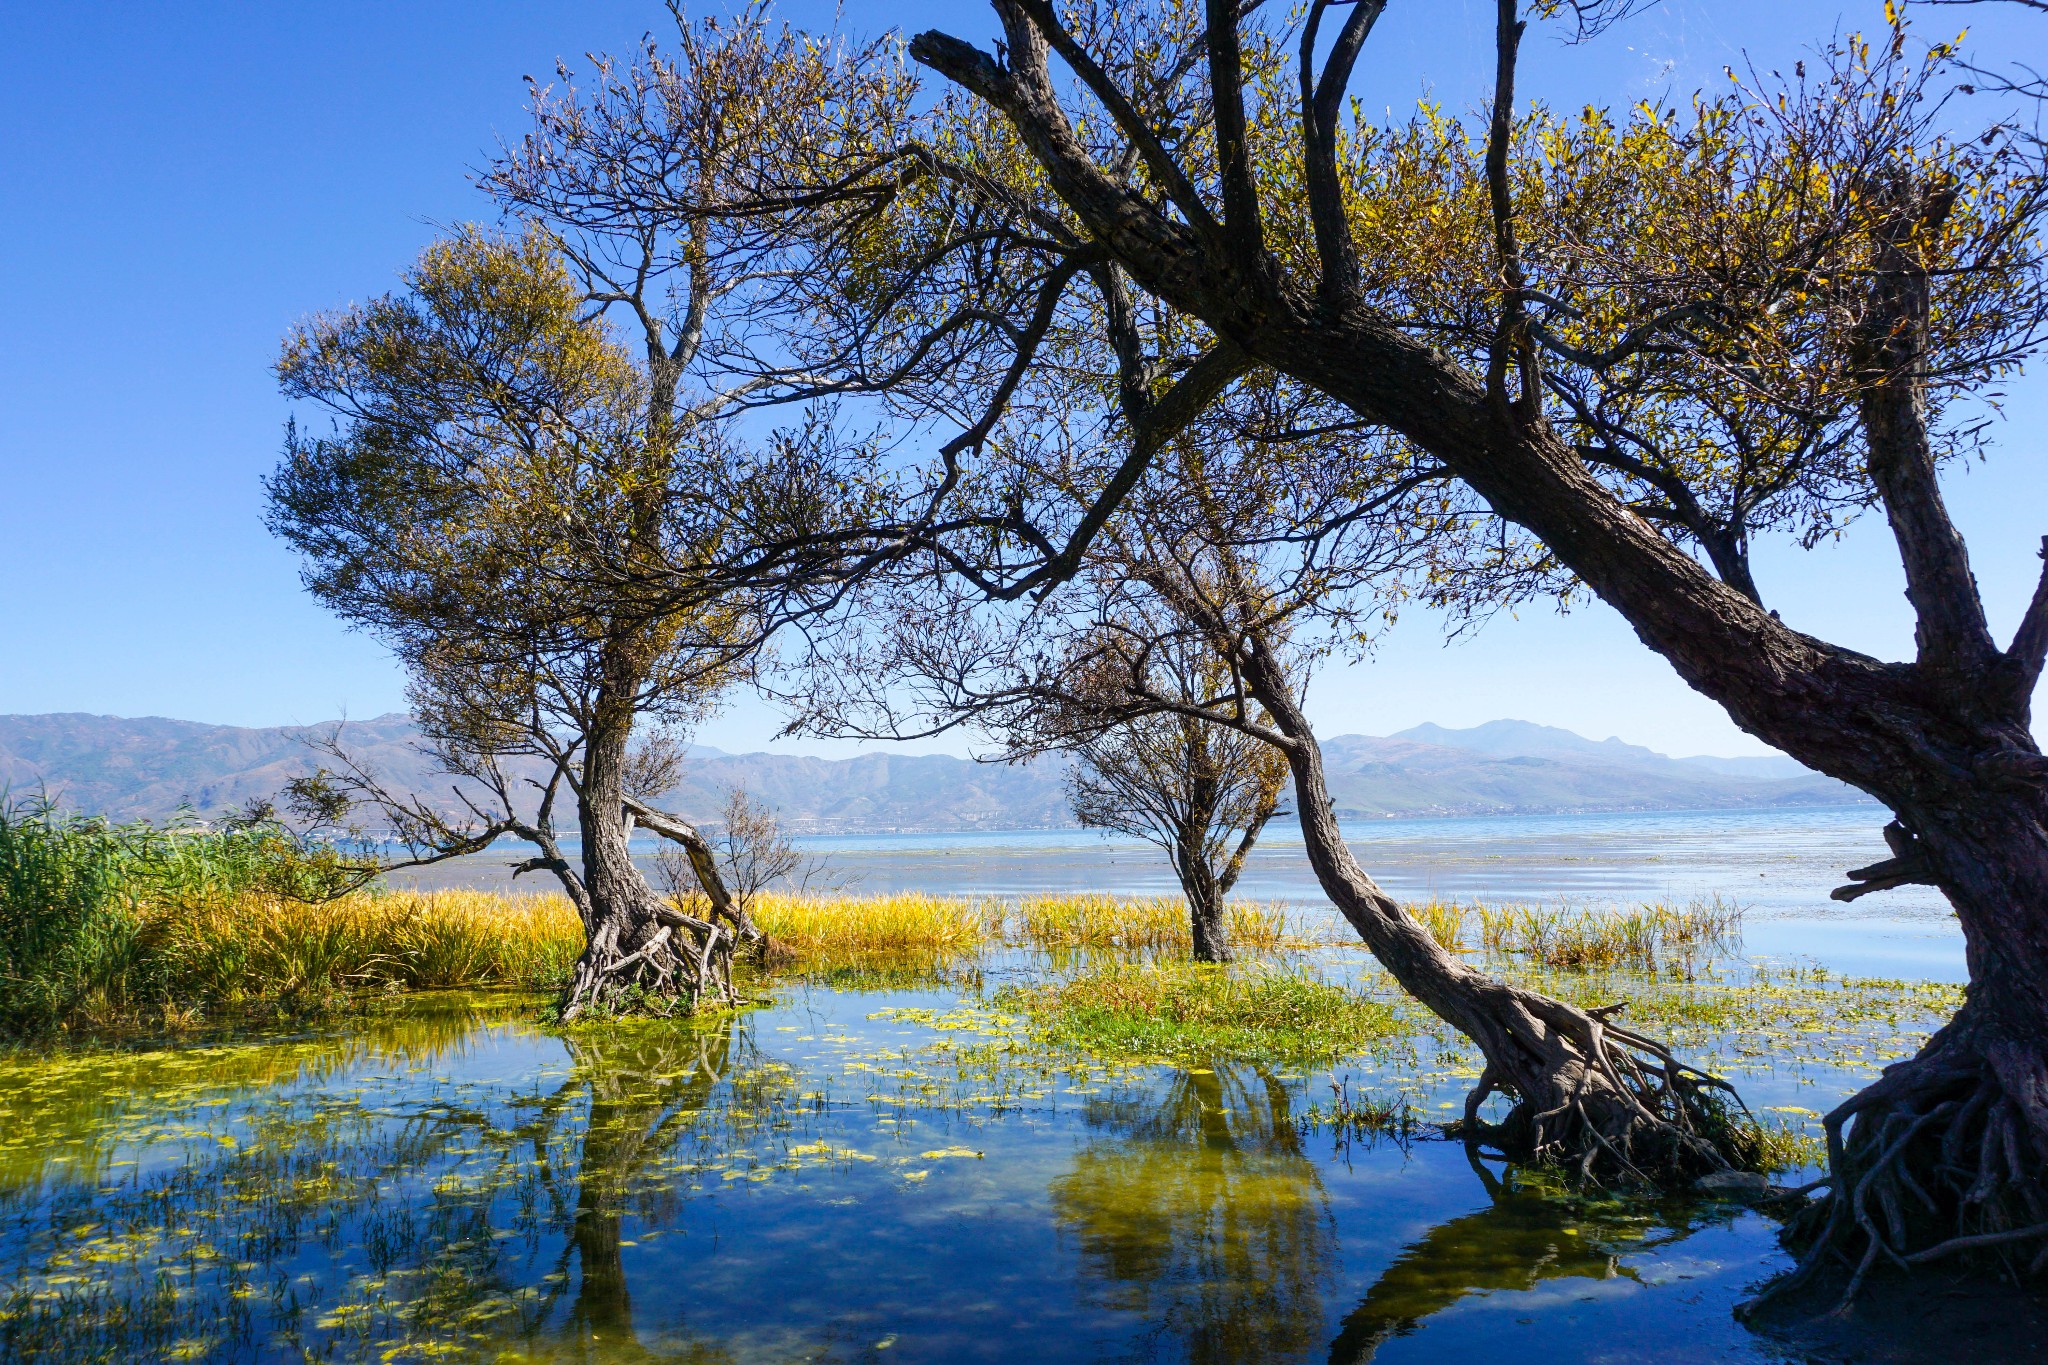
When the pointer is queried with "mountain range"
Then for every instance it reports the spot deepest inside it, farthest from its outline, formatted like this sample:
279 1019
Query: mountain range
147 768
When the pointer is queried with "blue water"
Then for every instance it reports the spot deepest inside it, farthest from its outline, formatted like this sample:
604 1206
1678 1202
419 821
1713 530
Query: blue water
826 1179
1778 864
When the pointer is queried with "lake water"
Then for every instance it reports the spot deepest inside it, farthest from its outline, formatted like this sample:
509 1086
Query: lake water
905 1175
828 1179
1779 864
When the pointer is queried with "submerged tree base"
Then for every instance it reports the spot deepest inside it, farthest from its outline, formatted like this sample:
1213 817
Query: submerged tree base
1942 1163
669 964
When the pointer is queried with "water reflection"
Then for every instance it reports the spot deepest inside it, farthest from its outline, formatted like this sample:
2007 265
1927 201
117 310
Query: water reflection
1199 1211
642 1088
467 1185
1529 1235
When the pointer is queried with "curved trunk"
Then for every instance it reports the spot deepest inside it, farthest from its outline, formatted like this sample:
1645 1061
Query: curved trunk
704 864
1944 741
1587 1091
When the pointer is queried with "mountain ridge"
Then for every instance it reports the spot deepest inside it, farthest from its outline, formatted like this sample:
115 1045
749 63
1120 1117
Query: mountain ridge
146 767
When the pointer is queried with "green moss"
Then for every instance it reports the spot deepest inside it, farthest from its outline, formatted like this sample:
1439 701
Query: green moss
1183 1010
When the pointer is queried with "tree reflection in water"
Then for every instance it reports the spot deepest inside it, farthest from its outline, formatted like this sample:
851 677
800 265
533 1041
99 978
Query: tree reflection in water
644 1089
1199 1212
1526 1237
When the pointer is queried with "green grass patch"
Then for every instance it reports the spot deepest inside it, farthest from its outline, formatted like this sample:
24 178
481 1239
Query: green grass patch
107 928
1184 1010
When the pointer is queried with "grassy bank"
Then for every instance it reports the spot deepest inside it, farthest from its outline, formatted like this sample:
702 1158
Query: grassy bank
109 927
106 926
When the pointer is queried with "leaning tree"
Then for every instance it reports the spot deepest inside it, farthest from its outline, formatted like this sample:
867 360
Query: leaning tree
1620 349
1629 347
943 283
1639 343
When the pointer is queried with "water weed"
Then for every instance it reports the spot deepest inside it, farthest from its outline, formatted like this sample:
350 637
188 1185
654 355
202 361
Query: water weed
1174 1009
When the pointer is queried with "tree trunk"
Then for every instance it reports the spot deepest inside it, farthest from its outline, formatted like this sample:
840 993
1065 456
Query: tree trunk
1943 741
638 952
704 864
1945 1153
1207 918
1588 1092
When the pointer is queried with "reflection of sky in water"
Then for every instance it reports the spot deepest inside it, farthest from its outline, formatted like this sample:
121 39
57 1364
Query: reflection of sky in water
1781 864
808 1183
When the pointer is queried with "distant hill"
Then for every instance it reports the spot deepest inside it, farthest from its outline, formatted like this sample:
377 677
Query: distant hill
1524 739
1400 775
146 768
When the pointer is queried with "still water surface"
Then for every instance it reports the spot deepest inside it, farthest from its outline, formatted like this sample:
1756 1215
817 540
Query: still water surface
902 1174
808 1182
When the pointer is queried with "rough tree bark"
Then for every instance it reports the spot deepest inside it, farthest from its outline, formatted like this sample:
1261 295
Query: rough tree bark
1941 1155
638 950
1587 1090
1207 922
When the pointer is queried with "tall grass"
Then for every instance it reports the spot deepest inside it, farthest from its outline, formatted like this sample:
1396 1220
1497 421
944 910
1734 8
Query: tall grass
1647 937
1444 920
1148 923
103 924
68 928
259 947
840 927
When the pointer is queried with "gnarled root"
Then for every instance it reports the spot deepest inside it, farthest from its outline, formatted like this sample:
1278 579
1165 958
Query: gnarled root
672 965
1943 1156
1609 1104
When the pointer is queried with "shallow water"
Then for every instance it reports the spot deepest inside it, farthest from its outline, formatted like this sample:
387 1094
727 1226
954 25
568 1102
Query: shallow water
844 1175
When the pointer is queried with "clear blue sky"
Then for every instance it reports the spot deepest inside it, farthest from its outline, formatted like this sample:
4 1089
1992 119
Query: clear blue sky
181 181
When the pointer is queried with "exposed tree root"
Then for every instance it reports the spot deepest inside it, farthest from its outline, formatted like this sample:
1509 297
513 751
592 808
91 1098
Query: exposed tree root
1608 1104
1943 1156
675 967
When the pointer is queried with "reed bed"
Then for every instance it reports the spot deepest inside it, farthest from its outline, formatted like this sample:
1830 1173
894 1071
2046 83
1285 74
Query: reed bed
1142 924
842 927
258 947
1646 937
103 925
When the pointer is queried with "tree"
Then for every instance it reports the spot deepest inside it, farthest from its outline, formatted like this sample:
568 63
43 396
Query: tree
511 470
1608 351
1201 791
1196 158
483 417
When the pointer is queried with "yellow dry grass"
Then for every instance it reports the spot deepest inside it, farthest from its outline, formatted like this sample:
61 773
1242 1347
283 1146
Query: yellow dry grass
1147 923
850 926
258 946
